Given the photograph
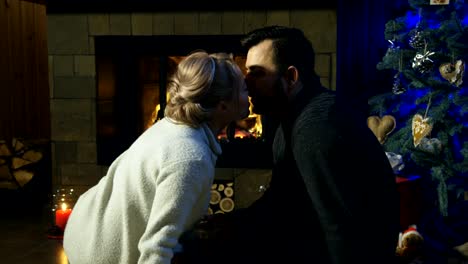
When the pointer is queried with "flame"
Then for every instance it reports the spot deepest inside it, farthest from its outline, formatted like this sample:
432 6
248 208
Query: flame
154 114
64 206
256 130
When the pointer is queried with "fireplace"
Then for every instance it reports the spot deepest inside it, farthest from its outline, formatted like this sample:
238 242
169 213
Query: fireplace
77 39
132 74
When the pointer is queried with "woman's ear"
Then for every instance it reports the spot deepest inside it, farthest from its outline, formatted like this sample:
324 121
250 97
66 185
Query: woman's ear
222 107
221 115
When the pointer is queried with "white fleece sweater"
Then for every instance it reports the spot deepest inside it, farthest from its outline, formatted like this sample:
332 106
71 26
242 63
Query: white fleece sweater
154 191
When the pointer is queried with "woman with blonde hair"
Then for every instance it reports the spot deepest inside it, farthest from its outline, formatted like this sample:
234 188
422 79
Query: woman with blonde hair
160 186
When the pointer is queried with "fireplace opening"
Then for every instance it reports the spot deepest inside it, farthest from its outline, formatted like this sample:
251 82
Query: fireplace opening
132 74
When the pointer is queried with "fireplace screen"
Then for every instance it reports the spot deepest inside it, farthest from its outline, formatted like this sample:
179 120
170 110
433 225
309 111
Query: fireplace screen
132 96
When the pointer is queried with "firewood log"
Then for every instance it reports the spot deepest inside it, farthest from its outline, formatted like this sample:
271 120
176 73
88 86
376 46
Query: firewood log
228 191
4 151
32 155
215 197
17 144
226 204
5 173
23 176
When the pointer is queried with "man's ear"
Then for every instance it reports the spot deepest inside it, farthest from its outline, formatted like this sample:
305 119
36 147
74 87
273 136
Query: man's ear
292 77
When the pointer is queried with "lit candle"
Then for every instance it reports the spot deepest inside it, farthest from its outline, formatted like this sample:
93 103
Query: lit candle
61 216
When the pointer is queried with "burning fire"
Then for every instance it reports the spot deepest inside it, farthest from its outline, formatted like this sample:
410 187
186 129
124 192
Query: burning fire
250 127
154 114
256 130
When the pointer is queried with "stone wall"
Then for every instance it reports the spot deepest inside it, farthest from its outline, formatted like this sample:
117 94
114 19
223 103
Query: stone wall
72 73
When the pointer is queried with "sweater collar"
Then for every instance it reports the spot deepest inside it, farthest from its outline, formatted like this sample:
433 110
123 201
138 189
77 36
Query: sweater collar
212 140
300 101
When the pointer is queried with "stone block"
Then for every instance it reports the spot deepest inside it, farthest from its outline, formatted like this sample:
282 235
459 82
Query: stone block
87 152
120 24
254 19
99 24
142 24
55 168
71 120
93 120
163 23
85 65
67 34
323 64
66 152
75 87
319 26
63 65
80 174
186 23
209 23
232 22
277 17
91 46
51 76
325 81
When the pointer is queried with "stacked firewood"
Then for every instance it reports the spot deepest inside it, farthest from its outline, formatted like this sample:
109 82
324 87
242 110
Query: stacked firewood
222 197
18 162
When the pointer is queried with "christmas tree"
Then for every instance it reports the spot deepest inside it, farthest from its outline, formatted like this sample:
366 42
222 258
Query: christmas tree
428 49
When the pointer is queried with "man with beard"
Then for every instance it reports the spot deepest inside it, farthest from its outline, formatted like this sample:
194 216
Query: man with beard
332 197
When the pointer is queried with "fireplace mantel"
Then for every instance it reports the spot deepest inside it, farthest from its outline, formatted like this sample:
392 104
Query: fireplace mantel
119 6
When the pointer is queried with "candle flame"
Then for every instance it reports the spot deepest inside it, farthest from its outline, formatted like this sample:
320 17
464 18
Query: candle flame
64 206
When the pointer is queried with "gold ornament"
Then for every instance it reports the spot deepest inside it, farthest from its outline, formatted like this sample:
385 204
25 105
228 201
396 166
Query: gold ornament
381 127
421 127
453 73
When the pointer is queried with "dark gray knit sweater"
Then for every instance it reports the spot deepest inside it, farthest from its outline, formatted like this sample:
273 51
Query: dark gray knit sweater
333 195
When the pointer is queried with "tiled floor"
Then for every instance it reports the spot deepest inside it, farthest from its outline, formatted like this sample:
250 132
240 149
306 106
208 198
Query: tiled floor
23 239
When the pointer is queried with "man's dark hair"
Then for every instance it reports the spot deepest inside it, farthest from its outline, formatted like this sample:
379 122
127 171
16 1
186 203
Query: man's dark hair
290 48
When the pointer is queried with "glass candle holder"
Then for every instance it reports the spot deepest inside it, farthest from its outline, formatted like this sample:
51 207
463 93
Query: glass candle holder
63 201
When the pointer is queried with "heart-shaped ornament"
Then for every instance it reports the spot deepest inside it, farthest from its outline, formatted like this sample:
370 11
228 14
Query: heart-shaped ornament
421 127
453 73
381 127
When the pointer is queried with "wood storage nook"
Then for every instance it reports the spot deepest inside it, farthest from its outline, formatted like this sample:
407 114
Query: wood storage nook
25 169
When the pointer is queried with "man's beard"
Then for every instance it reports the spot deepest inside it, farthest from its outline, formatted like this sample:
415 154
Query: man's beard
272 104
